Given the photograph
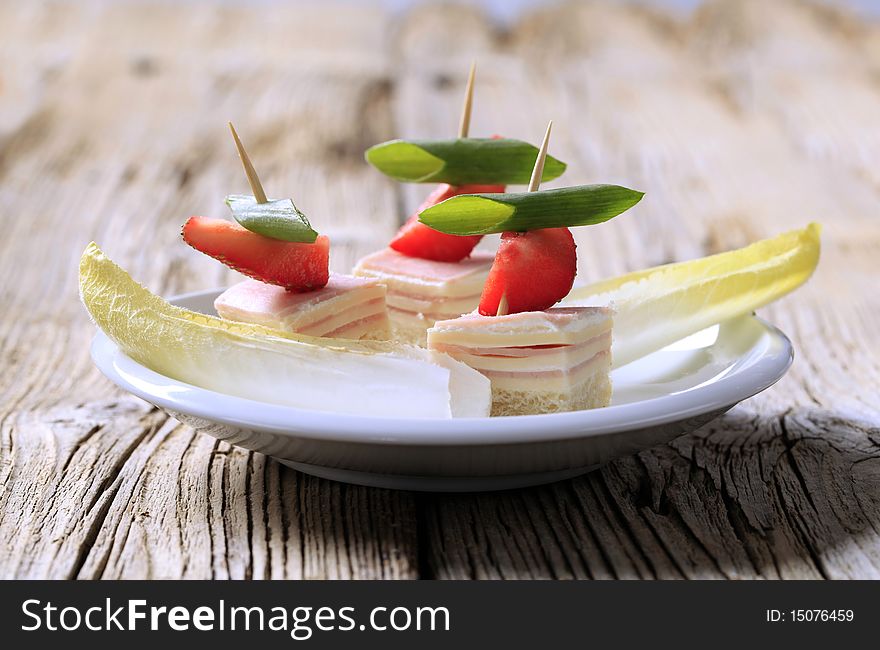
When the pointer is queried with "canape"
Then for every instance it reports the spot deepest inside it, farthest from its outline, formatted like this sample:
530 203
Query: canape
430 276
538 358
291 287
433 275
538 362
346 307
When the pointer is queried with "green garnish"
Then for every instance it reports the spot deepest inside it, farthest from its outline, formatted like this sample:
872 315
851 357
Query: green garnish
481 214
461 162
278 219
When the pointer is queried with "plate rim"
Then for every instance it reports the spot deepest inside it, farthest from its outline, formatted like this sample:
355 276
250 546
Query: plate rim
770 367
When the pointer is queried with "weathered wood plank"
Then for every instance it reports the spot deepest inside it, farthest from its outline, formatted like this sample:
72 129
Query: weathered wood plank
768 490
123 136
739 122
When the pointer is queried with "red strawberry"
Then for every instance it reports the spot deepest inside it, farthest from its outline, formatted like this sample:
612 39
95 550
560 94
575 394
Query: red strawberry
415 239
295 266
534 269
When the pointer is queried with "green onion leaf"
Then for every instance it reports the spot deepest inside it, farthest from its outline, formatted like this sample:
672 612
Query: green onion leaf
461 162
278 219
481 214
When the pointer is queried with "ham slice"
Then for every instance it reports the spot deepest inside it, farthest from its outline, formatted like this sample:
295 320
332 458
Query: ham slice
347 307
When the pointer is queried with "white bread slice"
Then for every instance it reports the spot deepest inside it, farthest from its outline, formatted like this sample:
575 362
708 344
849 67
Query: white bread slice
593 392
403 332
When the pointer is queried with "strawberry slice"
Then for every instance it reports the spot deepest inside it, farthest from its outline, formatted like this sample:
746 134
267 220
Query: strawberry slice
295 266
534 270
415 239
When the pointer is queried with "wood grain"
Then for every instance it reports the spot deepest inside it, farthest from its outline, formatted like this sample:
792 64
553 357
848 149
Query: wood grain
96 484
739 122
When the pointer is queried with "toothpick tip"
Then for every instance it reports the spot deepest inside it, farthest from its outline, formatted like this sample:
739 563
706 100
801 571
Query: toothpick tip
538 171
503 307
250 172
464 123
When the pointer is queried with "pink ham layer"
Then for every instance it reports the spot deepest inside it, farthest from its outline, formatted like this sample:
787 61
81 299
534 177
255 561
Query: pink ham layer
558 316
520 352
433 315
339 333
560 319
542 374
402 267
390 261
251 295
314 326
437 300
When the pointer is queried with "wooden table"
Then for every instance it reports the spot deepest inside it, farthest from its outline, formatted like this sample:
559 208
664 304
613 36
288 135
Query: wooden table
745 120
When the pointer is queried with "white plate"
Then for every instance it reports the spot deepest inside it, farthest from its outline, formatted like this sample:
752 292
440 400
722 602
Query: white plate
656 398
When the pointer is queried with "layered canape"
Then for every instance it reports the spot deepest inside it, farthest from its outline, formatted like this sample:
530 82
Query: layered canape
291 287
538 361
538 358
346 307
430 275
433 275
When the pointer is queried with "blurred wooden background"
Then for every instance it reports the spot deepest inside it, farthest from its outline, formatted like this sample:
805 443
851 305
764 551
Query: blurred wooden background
741 121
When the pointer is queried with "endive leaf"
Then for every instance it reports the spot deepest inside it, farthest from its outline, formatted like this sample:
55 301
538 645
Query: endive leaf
481 214
465 161
659 306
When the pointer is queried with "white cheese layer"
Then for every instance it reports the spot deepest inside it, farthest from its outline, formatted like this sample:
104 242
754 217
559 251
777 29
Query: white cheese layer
529 359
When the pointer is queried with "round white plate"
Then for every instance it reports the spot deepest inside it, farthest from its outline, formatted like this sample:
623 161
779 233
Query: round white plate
656 398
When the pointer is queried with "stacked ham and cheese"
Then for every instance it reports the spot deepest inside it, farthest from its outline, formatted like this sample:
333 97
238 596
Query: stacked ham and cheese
422 291
346 308
538 362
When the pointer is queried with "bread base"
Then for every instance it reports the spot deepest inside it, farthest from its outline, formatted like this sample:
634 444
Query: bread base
593 392
409 334
383 333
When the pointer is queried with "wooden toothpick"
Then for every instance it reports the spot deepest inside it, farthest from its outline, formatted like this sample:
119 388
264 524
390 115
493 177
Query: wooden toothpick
503 307
534 184
465 124
538 171
250 172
